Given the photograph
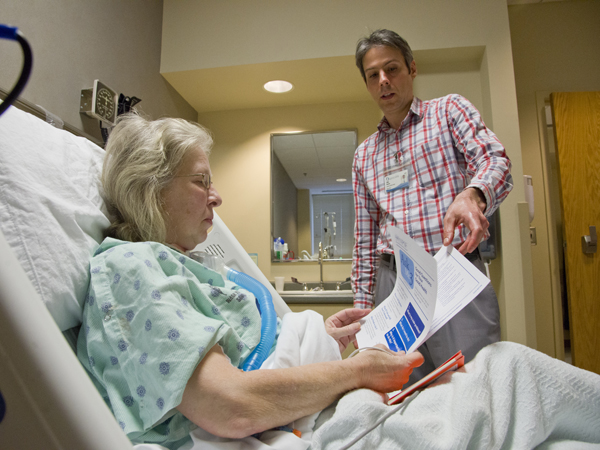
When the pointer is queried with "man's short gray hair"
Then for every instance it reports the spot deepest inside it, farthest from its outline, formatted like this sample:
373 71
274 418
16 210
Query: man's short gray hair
142 158
380 38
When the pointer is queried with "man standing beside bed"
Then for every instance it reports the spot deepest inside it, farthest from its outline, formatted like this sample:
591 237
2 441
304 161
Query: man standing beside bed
435 171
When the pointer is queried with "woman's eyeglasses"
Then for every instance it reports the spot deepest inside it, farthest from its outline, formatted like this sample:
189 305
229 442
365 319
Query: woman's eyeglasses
206 178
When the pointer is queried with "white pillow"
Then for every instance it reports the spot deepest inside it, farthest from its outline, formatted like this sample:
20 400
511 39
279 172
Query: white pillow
51 211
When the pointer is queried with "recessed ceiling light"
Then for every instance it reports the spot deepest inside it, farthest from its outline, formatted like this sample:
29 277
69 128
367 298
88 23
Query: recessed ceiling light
340 180
278 86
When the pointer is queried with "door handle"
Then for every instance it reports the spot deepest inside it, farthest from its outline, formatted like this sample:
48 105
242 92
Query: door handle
589 243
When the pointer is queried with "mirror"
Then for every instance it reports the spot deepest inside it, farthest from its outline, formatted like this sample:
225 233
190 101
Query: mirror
311 194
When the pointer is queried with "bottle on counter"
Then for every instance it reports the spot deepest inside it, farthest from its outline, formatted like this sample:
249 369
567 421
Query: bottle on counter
278 248
285 251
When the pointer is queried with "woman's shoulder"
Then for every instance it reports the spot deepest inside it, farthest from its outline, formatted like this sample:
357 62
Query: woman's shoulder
116 253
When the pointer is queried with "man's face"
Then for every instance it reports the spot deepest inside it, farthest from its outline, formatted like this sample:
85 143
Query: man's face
390 82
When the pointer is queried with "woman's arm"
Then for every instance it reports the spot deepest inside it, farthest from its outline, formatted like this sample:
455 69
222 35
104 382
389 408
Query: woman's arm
228 402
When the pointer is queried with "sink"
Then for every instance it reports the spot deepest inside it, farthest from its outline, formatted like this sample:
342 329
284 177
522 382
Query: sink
294 293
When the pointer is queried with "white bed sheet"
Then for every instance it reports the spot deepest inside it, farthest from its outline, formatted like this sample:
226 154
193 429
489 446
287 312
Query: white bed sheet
508 397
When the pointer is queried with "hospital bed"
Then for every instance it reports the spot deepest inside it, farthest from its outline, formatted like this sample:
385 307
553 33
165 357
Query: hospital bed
52 218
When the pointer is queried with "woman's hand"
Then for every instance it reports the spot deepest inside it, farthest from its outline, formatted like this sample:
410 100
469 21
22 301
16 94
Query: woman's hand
386 372
343 326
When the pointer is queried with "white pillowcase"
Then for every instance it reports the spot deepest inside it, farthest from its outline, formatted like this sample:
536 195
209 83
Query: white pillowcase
51 211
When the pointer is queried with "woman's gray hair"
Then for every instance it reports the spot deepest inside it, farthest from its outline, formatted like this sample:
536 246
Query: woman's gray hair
142 158
380 38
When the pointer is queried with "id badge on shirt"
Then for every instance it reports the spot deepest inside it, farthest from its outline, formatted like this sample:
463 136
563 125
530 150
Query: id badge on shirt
398 176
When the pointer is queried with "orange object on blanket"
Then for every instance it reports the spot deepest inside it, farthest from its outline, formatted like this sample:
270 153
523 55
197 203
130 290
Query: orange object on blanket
455 362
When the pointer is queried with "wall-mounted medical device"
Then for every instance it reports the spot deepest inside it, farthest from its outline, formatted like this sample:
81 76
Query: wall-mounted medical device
528 182
100 102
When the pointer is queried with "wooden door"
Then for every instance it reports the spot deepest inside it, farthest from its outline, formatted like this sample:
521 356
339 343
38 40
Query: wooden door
576 118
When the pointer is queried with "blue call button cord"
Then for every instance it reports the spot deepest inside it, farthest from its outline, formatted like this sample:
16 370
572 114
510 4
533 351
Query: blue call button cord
2 407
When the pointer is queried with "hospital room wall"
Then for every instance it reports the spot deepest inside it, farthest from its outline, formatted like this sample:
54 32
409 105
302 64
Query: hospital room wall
427 25
241 159
555 49
76 42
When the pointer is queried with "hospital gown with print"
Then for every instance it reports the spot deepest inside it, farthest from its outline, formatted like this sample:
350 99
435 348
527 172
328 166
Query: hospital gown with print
150 316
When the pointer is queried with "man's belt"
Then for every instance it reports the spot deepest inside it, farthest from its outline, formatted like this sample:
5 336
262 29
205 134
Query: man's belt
390 261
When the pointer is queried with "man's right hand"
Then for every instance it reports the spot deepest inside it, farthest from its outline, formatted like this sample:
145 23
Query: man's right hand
467 208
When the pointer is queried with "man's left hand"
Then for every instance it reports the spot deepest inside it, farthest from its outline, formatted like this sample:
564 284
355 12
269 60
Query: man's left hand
467 208
343 326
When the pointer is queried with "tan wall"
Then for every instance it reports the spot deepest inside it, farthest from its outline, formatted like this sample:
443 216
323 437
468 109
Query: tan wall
556 47
241 160
202 35
76 42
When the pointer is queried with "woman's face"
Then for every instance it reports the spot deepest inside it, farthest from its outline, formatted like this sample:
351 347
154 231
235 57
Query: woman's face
188 204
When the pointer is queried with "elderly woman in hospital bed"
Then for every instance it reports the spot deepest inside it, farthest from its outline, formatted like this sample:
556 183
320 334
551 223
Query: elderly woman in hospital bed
163 336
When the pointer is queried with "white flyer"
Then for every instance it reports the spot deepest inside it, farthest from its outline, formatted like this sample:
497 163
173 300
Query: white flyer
429 291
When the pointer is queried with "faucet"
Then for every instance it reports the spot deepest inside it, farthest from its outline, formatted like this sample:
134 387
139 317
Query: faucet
304 286
321 286
339 284
328 251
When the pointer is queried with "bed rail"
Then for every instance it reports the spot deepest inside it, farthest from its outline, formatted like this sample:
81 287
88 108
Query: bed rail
42 379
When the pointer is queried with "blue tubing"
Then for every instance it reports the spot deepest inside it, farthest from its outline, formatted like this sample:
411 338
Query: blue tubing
8 32
268 327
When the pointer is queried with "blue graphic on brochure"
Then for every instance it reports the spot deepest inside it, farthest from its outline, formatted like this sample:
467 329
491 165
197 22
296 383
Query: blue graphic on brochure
406 331
393 340
407 269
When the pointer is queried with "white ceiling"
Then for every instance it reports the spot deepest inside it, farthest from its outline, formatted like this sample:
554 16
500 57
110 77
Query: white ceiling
316 81
316 160
241 87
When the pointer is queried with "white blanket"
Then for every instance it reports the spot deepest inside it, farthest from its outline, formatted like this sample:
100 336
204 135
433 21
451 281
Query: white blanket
509 397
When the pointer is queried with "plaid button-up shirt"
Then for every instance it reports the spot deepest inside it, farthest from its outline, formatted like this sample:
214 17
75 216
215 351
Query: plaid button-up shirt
446 147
